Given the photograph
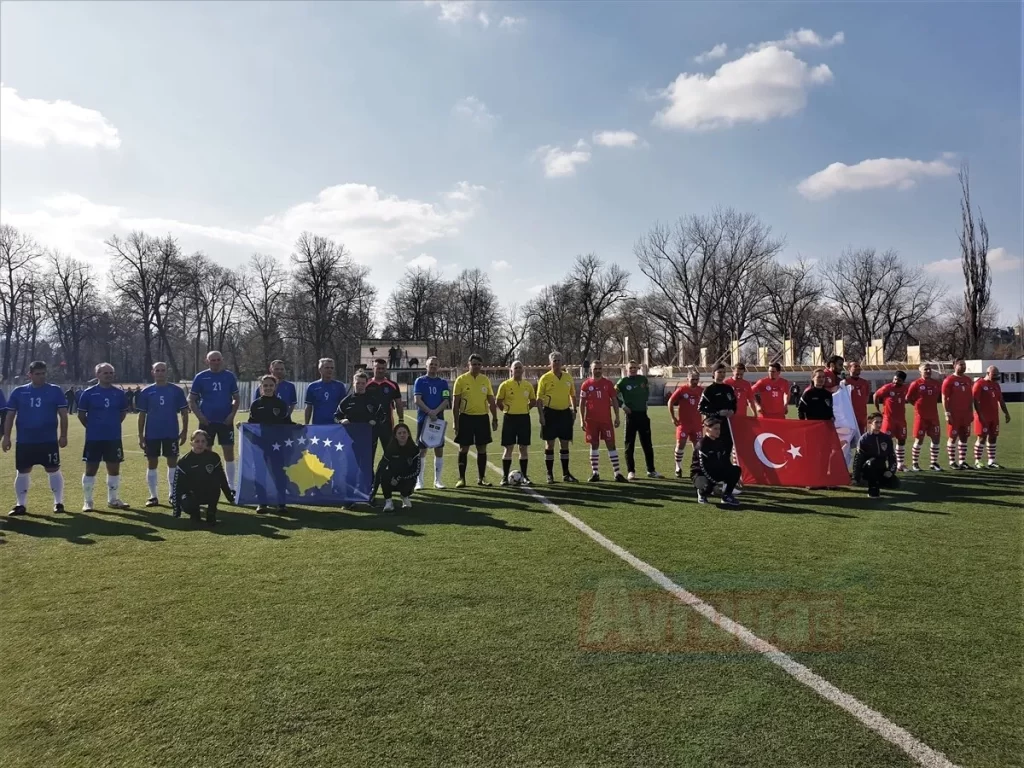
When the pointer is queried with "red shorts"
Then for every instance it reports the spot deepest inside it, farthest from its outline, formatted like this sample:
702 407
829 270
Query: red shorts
897 432
689 432
959 428
987 428
596 431
926 428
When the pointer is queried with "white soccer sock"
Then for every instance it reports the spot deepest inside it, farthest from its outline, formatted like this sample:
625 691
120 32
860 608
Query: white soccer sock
594 460
963 451
934 451
113 483
915 452
57 486
423 471
229 468
951 448
171 471
88 483
438 468
21 485
613 456
151 482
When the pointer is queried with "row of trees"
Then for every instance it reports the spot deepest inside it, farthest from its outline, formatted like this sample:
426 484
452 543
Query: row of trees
710 280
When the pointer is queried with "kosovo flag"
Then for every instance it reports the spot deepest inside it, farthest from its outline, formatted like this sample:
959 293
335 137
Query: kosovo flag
325 465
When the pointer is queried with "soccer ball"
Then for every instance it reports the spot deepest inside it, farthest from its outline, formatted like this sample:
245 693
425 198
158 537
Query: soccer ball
515 477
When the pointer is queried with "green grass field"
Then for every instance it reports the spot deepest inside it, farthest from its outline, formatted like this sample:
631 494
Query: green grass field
484 630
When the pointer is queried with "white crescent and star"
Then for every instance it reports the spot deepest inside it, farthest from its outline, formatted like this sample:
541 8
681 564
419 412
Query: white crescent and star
793 451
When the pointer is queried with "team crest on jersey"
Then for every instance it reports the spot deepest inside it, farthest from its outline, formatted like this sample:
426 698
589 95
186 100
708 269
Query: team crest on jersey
210 468
483 389
629 387
984 389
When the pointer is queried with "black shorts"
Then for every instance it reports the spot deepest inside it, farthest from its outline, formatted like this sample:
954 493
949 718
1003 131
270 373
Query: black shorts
557 424
168 446
516 429
28 455
109 451
473 430
221 433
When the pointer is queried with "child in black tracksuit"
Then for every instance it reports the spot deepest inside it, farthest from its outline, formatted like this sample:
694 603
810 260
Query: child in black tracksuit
874 464
399 468
712 464
199 480
268 408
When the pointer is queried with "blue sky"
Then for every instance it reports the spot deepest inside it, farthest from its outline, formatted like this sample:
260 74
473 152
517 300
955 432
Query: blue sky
512 136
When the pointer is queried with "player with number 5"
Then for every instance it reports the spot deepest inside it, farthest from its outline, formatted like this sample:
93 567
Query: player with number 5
159 434
37 408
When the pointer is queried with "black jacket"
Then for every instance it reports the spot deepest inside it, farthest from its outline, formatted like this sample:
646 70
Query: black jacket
815 405
879 446
711 457
269 410
201 476
398 463
362 409
715 398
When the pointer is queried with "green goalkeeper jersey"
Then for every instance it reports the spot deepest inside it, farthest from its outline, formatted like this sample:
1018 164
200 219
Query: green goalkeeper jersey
633 392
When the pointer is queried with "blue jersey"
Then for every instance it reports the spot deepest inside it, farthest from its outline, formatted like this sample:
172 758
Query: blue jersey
162 404
285 391
434 391
324 396
36 410
214 391
103 406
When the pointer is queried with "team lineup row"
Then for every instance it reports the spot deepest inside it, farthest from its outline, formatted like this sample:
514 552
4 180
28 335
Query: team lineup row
37 412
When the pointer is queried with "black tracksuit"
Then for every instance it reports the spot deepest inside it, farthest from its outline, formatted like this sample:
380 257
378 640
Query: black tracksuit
815 405
717 398
269 410
398 469
712 463
875 456
198 481
361 409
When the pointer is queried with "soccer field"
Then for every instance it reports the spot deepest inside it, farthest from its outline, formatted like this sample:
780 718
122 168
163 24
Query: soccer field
483 629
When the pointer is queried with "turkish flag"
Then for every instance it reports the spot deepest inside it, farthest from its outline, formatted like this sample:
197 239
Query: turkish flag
789 452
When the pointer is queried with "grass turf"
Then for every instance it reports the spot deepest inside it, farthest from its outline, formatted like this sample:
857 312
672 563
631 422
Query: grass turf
480 629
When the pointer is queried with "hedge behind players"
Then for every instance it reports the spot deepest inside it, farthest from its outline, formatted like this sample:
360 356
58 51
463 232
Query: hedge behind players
432 397
159 434
101 409
37 408
473 398
214 400
516 397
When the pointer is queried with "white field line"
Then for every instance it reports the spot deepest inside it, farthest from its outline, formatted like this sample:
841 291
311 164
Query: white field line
868 717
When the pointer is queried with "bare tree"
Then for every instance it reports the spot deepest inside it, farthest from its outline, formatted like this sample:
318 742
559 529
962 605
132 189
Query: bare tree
793 295
18 254
70 299
879 297
262 294
514 328
415 306
595 290
974 260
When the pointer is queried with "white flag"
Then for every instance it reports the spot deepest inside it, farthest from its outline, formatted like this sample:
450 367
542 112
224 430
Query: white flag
846 421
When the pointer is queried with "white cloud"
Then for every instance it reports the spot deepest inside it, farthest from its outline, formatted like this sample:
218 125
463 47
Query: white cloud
616 138
423 261
500 266
485 20
535 289
512 22
879 173
452 11
466 192
998 261
372 225
802 38
560 162
36 123
755 88
474 110
718 52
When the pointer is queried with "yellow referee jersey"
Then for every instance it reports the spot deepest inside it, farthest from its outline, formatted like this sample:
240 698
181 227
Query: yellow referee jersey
516 396
474 391
555 392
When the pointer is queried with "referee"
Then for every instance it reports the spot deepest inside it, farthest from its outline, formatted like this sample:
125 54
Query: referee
556 393
516 397
473 398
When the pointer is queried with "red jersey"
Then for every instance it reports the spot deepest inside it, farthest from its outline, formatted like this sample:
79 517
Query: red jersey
958 396
744 394
988 395
923 394
773 393
831 380
686 398
894 401
599 395
860 396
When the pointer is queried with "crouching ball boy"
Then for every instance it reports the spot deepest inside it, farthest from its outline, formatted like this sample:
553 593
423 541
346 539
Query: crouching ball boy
875 463
199 481
712 464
